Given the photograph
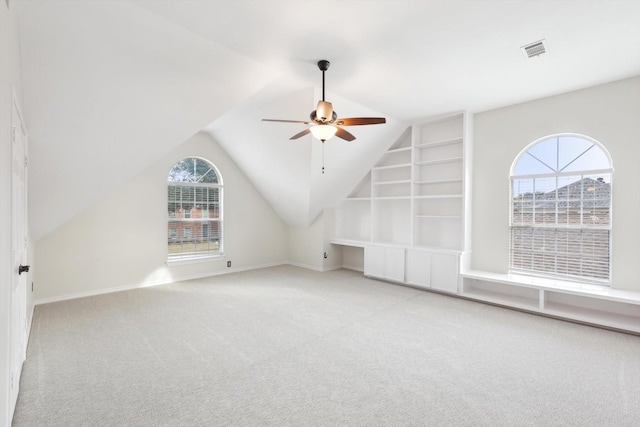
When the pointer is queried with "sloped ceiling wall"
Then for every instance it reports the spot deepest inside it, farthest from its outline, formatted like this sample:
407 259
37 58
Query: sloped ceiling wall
110 87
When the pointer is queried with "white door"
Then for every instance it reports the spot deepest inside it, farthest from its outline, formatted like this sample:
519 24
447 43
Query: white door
18 319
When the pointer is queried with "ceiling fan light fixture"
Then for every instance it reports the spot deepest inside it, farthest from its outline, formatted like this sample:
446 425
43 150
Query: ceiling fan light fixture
323 132
324 112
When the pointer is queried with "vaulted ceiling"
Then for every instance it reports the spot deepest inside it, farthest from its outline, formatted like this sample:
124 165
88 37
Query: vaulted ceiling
111 86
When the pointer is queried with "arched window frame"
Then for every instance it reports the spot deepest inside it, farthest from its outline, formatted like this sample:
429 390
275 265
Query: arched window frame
562 242
194 210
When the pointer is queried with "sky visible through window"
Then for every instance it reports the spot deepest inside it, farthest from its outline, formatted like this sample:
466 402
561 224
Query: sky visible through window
560 155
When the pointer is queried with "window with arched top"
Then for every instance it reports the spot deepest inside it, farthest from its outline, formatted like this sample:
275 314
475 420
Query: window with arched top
194 198
560 214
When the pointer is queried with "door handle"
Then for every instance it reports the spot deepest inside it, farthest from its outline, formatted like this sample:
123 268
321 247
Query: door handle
23 269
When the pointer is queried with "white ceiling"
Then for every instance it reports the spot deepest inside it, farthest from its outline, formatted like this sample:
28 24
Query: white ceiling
111 86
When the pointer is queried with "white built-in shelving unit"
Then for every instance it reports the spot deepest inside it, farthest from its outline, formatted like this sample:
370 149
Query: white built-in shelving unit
587 303
409 210
438 184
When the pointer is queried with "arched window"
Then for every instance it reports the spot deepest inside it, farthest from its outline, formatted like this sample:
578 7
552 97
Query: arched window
561 209
194 196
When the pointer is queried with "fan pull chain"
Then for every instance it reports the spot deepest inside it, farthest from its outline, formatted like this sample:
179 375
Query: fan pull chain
322 157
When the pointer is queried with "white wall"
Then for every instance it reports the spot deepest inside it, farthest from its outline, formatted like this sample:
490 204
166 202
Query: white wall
334 258
121 241
307 245
610 114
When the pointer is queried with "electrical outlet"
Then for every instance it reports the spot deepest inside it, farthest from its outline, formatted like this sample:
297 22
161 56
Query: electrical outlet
228 263
326 256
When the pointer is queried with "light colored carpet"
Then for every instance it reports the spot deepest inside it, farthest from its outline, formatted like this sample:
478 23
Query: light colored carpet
285 346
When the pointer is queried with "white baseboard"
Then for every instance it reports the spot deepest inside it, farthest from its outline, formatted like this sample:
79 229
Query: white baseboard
354 268
150 284
314 268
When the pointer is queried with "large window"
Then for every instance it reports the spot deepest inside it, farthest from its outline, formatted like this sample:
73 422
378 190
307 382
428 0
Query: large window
194 196
561 210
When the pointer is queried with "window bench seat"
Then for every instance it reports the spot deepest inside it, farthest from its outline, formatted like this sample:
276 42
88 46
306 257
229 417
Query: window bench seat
592 304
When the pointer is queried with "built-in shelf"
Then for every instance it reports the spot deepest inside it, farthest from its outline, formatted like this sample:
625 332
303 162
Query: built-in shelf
438 161
402 181
438 181
349 242
434 144
593 304
393 198
398 150
439 178
440 196
402 165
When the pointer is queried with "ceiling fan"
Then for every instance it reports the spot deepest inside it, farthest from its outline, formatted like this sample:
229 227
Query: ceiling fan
324 122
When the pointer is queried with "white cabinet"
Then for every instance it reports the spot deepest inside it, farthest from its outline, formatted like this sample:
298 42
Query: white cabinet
444 272
414 199
384 262
433 270
419 268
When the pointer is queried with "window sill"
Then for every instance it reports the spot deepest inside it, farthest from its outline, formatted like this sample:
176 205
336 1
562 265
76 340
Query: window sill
193 259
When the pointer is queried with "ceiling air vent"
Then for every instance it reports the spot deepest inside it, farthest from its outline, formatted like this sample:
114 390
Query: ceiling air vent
534 49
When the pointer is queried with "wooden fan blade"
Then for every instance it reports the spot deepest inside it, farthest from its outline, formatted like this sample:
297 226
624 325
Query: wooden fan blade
299 134
341 133
358 121
286 121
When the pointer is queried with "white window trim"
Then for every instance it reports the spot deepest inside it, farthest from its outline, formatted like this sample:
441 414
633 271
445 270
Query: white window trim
193 259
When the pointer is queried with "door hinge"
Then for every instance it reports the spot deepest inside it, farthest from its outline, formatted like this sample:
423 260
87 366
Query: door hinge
26 161
13 134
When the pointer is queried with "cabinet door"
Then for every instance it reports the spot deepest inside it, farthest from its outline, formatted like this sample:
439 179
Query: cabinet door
374 261
394 264
418 268
444 272
384 262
